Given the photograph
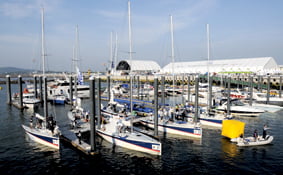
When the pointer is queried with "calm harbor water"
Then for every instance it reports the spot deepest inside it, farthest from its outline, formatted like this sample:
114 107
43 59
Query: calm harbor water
213 154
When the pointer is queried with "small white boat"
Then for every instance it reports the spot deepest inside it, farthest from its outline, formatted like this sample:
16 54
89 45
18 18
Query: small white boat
273 100
236 93
234 130
238 108
60 87
30 101
266 107
251 141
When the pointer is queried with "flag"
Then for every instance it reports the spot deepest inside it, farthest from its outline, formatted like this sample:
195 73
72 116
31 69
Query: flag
80 77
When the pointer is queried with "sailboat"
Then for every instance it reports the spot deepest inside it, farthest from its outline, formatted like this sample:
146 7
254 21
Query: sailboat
174 126
113 128
45 131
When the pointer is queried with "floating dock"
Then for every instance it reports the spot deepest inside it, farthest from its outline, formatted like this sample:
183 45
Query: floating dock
70 137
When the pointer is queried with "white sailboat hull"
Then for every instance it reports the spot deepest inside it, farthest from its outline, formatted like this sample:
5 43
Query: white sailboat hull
184 129
42 136
122 141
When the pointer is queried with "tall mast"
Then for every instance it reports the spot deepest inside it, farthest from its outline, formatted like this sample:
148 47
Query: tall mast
172 43
130 57
43 65
42 42
130 33
173 57
116 51
208 50
76 49
208 62
111 53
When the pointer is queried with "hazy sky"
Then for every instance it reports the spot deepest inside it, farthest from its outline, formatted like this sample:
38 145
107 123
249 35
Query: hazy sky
238 29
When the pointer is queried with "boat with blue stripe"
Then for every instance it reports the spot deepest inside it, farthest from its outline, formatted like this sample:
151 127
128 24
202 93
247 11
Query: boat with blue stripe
185 128
115 129
43 136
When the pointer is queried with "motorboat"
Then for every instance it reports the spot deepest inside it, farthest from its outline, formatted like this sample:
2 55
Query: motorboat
262 98
236 93
238 108
234 130
30 101
251 141
265 107
59 87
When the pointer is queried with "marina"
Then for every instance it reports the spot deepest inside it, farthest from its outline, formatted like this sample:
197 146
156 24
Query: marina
211 151
215 113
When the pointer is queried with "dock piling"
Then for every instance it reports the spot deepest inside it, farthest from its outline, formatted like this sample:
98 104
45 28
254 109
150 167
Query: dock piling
268 89
45 97
155 106
189 90
71 90
35 86
280 86
228 96
9 95
20 92
251 90
92 117
98 109
40 89
210 93
108 87
196 99
163 91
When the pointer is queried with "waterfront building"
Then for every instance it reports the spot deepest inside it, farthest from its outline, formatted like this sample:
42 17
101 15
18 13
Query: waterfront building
261 66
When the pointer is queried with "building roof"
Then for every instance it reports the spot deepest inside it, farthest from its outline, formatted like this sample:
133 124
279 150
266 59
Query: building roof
226 65
138 65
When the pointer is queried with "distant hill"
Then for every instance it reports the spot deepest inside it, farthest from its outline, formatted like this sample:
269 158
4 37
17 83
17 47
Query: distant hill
11 70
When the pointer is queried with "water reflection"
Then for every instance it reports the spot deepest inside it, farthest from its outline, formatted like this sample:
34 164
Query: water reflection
230 149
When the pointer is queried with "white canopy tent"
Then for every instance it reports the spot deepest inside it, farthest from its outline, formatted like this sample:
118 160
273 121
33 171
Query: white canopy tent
138 66
255 65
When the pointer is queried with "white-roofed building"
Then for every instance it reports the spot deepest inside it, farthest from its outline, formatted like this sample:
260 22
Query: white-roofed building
260 65
138 66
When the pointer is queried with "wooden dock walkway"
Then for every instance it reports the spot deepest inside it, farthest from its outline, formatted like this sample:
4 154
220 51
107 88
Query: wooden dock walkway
70 137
